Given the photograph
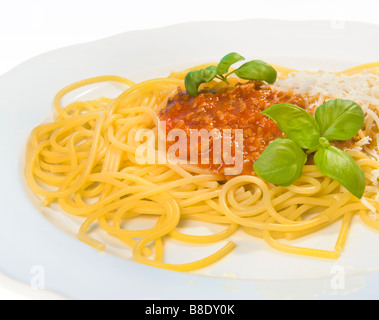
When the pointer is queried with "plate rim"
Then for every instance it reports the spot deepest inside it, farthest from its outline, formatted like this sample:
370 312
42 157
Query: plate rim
26 62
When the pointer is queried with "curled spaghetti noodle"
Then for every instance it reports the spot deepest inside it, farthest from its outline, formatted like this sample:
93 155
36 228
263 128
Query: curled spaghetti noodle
85 160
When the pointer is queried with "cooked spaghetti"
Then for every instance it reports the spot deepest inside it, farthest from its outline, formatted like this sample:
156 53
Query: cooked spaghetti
85 161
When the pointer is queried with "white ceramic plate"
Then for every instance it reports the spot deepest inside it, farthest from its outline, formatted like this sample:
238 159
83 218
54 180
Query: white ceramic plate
41 249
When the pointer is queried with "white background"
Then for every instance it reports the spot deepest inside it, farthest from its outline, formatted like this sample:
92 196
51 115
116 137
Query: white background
31 27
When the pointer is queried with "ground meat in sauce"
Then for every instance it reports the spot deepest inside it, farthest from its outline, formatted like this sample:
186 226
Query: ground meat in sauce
232 107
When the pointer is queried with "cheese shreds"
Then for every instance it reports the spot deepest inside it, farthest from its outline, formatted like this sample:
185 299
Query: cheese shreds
368 205
364 141
361 88
374 177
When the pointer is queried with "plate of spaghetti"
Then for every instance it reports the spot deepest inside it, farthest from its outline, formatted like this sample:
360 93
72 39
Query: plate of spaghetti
197 169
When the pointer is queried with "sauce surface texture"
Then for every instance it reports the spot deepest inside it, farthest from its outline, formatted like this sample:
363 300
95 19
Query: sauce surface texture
232 107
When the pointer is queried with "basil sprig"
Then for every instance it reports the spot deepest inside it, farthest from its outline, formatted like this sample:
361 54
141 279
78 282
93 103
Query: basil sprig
253 70
282 161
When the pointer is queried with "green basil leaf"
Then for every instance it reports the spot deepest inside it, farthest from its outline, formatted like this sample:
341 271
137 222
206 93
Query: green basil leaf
281 163
257 70
339 119
195 78
296 123
340 166
227 61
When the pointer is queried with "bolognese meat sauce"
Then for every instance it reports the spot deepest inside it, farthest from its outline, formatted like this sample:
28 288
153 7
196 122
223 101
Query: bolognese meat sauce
232 107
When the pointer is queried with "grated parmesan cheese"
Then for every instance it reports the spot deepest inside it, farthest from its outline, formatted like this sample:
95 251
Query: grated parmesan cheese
361 88
368 205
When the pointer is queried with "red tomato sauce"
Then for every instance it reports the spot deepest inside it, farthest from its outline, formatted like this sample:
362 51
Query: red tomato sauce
232 107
